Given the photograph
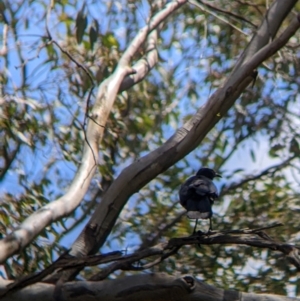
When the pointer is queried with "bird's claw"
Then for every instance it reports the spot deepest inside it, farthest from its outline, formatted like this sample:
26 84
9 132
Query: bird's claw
199 233
209 232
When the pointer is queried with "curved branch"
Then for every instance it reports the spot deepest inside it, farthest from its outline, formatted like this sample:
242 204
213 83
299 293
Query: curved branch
227 13
267 30
185 139
201 6
107 92
250 237
144 65
270 170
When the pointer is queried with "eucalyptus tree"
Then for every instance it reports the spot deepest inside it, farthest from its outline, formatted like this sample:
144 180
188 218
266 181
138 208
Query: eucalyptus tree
107 107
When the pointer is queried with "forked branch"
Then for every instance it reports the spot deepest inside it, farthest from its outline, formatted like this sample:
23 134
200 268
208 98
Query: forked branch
156 254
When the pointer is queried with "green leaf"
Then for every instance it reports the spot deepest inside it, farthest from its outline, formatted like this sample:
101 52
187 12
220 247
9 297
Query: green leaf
109 40
294 147
252 154
93 35
81 24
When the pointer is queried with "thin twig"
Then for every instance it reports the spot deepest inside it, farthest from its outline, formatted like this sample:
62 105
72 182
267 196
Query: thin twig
229 13
79 65
251 231
270 170
200 6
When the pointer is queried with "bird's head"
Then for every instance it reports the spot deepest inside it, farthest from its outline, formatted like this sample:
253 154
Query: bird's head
208 172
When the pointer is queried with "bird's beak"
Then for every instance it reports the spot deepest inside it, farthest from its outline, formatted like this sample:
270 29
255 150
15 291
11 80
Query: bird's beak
218 175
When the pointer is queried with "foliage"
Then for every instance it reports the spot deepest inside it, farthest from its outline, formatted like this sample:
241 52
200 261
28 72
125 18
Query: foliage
45 100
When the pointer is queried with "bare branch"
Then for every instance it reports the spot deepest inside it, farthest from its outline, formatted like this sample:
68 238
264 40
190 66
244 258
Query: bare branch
267 30
251 231
202 7
263 54
226 12
251 237
127 262
270 170
154 23
144 65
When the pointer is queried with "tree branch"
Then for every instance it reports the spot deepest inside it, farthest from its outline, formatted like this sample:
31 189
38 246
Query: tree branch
186 138
144 65
251 237
226 12
270 170
107 92
158 287
127 262
64 261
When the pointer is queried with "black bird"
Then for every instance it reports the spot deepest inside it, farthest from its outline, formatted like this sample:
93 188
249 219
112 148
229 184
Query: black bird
197 195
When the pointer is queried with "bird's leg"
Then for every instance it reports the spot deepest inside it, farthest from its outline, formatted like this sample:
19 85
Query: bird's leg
195 226
199 232
210 225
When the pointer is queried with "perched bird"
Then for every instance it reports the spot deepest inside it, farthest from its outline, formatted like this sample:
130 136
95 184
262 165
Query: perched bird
197 195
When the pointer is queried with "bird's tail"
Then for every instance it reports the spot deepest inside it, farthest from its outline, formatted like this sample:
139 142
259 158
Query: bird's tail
199 209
